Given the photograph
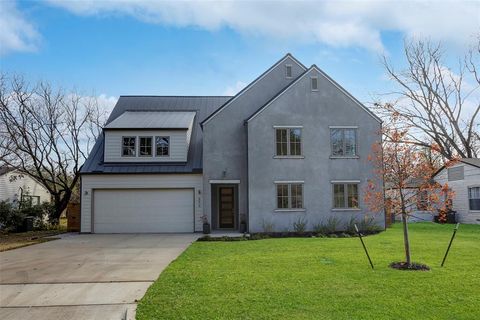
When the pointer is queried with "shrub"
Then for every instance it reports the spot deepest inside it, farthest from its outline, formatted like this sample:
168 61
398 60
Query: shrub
268 227
318 228
332 224
11 219
300 225
350 225
368 225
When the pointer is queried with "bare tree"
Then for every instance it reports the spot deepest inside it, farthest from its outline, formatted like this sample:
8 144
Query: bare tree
46 134
439 107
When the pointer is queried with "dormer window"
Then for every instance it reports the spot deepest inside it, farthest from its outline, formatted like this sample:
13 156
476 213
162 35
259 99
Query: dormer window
145 148
314 83
288 71
162 146
128 146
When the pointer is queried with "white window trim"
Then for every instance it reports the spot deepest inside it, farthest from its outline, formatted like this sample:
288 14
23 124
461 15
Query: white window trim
468 197
356 156
139 146
288 156
155 146
343 127
136 146
345 193
224 181
289 196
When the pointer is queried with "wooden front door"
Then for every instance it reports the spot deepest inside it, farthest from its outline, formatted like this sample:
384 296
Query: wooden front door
226 207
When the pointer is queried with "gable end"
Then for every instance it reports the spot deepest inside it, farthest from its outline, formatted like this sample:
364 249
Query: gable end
226 104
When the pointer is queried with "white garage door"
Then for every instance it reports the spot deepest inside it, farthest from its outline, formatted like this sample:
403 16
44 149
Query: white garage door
143 210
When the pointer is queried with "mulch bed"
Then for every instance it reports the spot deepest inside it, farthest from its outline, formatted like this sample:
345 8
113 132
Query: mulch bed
414 266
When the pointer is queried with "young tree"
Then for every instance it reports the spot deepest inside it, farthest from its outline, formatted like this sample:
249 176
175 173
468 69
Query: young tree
438 105
401 165
46 134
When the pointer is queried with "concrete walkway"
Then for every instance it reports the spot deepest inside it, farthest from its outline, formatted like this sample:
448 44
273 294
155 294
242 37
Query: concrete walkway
84 276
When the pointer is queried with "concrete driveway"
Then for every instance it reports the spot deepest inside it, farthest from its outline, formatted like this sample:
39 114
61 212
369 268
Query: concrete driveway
84 276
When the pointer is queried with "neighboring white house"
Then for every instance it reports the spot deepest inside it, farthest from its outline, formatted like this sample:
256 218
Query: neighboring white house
463 178
14 186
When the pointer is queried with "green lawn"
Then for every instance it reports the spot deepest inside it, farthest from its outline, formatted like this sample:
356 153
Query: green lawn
322 278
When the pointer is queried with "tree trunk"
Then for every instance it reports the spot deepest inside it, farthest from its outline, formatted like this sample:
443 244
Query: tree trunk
406 241
60 205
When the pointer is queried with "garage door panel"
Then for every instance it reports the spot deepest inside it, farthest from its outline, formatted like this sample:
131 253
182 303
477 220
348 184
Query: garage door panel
143 210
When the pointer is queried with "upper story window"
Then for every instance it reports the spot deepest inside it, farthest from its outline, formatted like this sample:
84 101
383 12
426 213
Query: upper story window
314 83
474 198
343 142
288 142
128 146
288 71
145 148
162 146
289 196
455 173
345 195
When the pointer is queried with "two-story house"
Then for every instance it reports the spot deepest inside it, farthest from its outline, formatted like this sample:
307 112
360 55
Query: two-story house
292 144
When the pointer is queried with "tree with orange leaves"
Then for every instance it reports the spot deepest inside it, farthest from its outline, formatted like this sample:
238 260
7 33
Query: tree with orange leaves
401 165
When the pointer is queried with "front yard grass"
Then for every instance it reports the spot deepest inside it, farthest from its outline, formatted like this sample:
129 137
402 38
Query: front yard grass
322 278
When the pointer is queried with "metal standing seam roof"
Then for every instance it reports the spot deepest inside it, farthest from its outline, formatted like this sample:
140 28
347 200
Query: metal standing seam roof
153 120
202 106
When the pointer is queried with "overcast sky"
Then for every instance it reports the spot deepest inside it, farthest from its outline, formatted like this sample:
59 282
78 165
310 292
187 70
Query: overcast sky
124 47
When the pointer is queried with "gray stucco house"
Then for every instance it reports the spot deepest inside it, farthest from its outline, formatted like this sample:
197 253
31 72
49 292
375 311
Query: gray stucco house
291 145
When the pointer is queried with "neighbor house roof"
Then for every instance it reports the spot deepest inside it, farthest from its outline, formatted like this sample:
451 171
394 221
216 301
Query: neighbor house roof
471 161
201 106
153 120
5 169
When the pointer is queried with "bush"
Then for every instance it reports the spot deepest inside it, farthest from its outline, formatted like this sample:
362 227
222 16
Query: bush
300 225
268 227
332 224
11 219
368 225
350 226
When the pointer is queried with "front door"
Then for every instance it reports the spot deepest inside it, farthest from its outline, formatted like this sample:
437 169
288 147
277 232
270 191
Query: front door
226 208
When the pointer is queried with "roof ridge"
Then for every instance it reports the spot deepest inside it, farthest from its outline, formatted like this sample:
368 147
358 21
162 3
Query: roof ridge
278 94
172 96
248 86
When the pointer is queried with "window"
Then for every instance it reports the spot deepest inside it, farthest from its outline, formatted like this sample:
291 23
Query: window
423 200
145 147
288 71
345 196
128 146
455 173
344 142
31 200
474 198
288 142
162 146
289 196
314 83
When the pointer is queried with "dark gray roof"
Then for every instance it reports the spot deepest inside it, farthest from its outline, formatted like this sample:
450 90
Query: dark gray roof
202 105
471 161
5 169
